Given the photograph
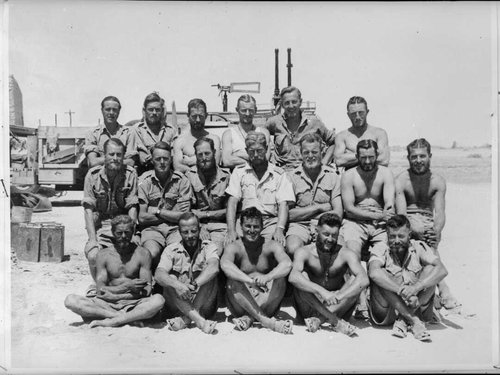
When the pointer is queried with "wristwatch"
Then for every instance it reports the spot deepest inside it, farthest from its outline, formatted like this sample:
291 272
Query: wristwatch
157 213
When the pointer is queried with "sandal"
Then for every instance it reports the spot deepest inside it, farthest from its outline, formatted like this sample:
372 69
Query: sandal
420 332
344 327
242 323
312 324
176 324
400 328
283 326
209 326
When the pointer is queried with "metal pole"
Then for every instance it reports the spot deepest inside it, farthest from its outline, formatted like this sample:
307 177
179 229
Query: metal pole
55 118
224 102
276 78
289 66
70 118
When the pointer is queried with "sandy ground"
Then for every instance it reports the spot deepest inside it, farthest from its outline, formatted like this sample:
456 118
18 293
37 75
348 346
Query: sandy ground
47 336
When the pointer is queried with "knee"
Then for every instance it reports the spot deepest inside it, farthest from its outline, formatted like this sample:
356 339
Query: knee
233 286
293 243
92 256
158 301
71 301
153 247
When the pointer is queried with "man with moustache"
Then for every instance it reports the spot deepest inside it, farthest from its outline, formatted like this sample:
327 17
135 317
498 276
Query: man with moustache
109 190
187 272
318 274
420 194
233 140
164 195
151 130
259 184
368 198
209 183
184 155
256 271
123 282
404 277
289 128
346 140
95 138
317 190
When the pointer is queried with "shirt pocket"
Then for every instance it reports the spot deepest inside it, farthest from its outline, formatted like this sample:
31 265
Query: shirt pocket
268 195
102 200
121 196
414 266
248 190
303 193
170 199
323 192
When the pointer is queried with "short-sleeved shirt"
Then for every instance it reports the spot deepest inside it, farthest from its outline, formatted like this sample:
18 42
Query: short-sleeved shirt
324 190
142 139
107 200
287 144
183 266
419 255
212 196
266 194
176 190
95 139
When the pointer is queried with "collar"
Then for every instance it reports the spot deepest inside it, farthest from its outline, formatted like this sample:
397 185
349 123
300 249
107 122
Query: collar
103 129
119 176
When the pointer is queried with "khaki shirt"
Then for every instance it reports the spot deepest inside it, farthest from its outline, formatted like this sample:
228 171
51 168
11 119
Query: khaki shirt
208 197
287 144
266 194
95 139
324 190
183 266
176 190
110 201
142 139
419 255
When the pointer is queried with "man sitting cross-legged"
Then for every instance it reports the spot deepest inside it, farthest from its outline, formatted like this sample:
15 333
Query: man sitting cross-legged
404 278
123 282
187 272
256 271
318 274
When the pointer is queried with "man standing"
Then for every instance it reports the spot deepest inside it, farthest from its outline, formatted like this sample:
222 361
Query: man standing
187 272
151 130
109 190
209 183
164 195
123 282
184 157
263 185
317 190
256 271
288 129
420 194
404 278
324 294
95 138
346 140
233 140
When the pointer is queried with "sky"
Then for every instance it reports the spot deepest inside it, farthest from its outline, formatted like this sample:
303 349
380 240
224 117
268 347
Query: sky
425 69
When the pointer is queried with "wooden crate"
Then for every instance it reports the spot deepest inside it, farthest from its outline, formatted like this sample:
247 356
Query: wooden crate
25 240
57 176
52 243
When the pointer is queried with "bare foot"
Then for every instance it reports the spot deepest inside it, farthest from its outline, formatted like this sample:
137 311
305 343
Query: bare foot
102 323
208 326
312 324
344 327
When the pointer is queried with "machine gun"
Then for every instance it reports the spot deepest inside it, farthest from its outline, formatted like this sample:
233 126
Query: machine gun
236 87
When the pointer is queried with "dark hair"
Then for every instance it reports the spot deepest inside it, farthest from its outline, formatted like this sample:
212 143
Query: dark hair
330 219
195 103
255 137
110 98
311 138
121 219
397 221
366 144
199 141
251 213
154 97
357 100
288 90
115 141
246 98
161 145
188 216
419 143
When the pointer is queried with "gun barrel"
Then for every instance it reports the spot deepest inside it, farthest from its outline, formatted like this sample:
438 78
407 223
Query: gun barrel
276 77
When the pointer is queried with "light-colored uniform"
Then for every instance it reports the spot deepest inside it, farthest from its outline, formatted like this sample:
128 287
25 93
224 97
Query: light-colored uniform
95 139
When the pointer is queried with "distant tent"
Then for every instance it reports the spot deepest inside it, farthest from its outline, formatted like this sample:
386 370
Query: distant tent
15 103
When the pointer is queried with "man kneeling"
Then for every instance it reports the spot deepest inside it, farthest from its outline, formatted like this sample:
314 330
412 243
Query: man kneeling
123 282
318 274
256 271
404 278
187 272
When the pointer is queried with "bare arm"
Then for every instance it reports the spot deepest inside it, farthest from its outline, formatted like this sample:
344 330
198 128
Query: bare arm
229 267
360 281
383 148
173 216
381 277
145 272
348 199
147 216
217 147
209 272
400 196
228 159
89 223
94 160
210 215
298 279
279 232
132 212
284 265
178 156
342 156
329 155
439 209
232 204
389 191
438 273
308 212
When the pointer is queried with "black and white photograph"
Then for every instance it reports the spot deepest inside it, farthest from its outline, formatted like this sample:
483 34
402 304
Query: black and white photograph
249 187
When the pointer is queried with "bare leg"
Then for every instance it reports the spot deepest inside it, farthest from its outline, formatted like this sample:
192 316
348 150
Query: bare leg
272 301
87 309
155 250
362 308
145 310
293 243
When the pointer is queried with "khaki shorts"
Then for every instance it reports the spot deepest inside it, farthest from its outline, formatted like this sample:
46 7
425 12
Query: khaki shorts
305 232
218 232
164 236
123 305
420 222
363 232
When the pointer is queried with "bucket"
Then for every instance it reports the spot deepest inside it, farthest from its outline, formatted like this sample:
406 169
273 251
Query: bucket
21 214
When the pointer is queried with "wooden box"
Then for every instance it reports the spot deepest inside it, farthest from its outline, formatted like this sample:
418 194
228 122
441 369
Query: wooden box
52 243
25 239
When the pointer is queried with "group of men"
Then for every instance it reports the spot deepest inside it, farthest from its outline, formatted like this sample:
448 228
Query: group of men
298 208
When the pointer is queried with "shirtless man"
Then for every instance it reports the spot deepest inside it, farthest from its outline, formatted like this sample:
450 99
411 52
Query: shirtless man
234 151
184 155
346 140
187 272
368 198
123 282
404 278
420 194
318 274
256 272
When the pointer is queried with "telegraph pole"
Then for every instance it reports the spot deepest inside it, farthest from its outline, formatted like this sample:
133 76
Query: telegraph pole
70 118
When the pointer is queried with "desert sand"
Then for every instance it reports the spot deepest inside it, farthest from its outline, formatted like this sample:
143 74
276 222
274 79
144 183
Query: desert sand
46 336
